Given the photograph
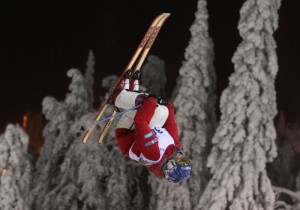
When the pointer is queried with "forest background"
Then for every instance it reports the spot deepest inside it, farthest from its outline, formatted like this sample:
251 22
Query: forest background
233 151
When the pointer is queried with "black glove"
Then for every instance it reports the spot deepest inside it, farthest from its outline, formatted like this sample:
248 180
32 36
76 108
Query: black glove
159 99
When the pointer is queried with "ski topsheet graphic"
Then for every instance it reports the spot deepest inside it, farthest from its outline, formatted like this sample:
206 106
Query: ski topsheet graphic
131 72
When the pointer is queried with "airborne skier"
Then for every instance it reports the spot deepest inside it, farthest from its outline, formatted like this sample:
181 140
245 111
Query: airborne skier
142 51
149 135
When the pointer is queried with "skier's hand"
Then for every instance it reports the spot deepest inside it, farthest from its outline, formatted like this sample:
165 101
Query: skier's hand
159 99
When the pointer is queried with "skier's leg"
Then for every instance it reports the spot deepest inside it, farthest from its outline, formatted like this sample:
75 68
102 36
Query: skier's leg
127 120
128 99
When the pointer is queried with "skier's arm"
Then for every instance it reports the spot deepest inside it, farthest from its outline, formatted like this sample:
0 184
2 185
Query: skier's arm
156 170
125 139
145 138
171 125
146 111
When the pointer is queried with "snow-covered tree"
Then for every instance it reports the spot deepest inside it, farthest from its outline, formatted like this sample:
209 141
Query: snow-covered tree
72 175
15 169
127 177
109 81
195 114
90 176
89 76
284 169
61 116
154 76
294 203
245 138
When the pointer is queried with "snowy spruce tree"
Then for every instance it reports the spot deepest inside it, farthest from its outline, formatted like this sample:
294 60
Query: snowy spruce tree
103 170
293 203
153 76
283 170
16 169
72 175
89 76
245 138
195 114
61 116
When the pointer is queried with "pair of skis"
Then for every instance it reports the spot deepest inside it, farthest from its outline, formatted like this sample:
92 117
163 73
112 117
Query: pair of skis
137 59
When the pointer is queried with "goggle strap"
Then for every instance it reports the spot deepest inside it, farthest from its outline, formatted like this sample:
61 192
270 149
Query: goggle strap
177 150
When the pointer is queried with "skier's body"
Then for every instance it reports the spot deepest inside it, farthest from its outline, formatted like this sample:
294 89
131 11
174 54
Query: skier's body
150 136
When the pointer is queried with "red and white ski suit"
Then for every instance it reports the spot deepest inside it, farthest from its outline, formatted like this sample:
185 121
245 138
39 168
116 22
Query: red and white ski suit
150 146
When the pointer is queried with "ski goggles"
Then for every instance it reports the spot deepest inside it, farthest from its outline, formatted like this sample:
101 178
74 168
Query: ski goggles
172 164
183 161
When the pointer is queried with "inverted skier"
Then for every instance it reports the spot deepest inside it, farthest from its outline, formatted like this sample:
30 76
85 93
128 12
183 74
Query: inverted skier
149 136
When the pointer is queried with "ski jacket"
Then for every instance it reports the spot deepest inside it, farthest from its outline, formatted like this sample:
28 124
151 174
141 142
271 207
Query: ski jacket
150 146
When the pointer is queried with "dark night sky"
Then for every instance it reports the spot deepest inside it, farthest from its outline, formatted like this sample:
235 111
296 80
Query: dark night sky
39 43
